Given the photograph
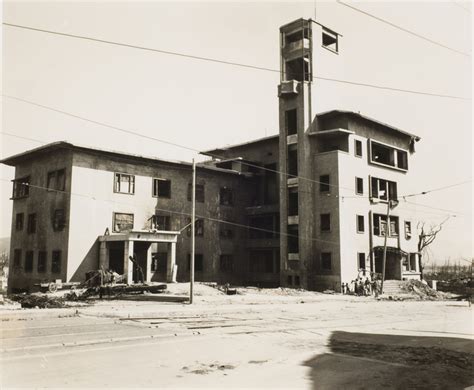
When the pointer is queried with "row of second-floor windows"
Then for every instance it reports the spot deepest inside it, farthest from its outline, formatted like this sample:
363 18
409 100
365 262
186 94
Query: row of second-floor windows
27 264
58 221
380 189
55 181
161 188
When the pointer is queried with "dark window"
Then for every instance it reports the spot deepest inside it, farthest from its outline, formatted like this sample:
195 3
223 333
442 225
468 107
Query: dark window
402 159
325 222
330 40
360 224
298 69
226 263
361 260
297 280
41 266
326 260
56 262
162 188
289 280
292 202
393 226
389 156
324 183
226 231
123 222
161 222
21 188
57 180
293 239
291 119
297 35
226 196
359 186
198 227
31 227
407 230
262 226
59 220
124 183
19 221
198 262
293 162
199 192
358 148
261 261
29 261
17 258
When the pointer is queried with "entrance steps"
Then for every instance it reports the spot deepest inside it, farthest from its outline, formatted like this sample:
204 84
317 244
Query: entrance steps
393 287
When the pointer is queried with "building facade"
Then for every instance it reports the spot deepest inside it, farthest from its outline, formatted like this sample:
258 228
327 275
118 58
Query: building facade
305 208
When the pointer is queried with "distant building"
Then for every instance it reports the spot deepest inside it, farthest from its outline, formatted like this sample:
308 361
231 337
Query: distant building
313 217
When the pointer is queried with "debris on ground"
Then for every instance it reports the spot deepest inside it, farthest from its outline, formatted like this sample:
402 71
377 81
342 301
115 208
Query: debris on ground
38 300
422 290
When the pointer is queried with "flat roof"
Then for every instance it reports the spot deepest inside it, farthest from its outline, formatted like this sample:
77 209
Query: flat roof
54 146
214 152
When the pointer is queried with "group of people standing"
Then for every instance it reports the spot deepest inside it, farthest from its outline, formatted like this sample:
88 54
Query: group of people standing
365 284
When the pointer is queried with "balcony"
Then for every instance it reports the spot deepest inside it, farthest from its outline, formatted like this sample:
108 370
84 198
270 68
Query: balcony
288 88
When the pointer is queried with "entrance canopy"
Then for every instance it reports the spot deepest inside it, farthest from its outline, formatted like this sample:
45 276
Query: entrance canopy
141 236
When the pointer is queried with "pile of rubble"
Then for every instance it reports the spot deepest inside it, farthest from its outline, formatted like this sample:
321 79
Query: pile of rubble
419 290
38 300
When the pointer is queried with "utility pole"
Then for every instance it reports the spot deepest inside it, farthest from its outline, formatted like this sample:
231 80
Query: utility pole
390 204
193 227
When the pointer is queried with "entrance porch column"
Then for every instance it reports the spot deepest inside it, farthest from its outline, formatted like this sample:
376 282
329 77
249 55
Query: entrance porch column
417 262
148 264
103 255
171 261
127 264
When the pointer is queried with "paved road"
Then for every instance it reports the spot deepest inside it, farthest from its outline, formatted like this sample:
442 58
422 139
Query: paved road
322 344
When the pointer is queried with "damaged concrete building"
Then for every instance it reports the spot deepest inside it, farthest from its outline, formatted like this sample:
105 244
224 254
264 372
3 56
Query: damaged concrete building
304 208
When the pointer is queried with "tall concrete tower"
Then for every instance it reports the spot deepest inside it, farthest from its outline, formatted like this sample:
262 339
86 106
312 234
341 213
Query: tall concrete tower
301 43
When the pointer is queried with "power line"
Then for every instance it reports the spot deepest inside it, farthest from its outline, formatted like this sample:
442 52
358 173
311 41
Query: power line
364 197
403 29
174 212
225 62
461 6
434 208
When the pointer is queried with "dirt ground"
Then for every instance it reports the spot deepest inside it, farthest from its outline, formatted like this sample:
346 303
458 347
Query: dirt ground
274 338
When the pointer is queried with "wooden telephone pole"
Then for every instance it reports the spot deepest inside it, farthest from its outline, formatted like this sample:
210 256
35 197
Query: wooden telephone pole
193 227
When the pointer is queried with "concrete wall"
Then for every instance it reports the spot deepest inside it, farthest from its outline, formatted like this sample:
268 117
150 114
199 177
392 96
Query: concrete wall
94 176
43 203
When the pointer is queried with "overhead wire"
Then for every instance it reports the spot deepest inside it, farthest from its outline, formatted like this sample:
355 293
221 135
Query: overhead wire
403 29
233 63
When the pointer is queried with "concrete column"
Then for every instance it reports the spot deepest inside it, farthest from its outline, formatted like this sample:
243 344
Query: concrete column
417 263
127 264
148 264
103 255
171 261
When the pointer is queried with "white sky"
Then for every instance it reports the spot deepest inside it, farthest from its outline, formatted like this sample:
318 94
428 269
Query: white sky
204 104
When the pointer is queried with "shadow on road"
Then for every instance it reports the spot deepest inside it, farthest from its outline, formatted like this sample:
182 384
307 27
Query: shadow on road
380 361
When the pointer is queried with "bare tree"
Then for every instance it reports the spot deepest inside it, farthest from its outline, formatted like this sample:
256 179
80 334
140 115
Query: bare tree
426 237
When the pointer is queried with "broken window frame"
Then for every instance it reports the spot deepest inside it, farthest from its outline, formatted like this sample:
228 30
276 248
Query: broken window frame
19 221
56 262
41 265
226 263
325 183
161 222
21 188
407 230
128 225
59 220
325 222
200 191
395 158
298 69
226 196
163 190
29 259
56 180
124 183
333 37
326 261
378 185
31 223
198 227
380 224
